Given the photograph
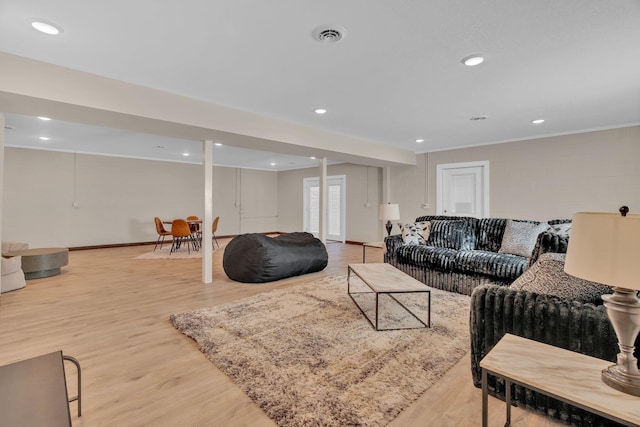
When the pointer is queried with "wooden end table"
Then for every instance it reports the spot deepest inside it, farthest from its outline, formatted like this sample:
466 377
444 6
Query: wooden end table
378 245
565 375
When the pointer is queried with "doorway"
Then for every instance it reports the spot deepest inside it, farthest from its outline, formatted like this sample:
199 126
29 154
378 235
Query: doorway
463 189
336 206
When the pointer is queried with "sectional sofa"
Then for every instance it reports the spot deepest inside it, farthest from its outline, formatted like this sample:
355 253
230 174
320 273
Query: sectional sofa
461 253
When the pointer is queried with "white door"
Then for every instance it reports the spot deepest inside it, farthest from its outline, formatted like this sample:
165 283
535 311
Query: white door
336 207
463 189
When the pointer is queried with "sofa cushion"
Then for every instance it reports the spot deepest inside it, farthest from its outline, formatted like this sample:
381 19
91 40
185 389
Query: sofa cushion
427 256
490 232
415 234
547 277
452 234
520 237
504 266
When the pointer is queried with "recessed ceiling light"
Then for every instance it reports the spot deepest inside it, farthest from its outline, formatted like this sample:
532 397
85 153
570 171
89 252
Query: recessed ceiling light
44 138
46 119
476 118
419 140
46 27
473 60
537 121
312 157
217 144
320 110
185 154
273 164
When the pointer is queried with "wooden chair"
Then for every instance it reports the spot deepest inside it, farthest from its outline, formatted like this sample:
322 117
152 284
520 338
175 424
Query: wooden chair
214 228
162 233
181 232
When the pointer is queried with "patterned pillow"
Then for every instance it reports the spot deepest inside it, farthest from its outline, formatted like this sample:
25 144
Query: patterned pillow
520 237
561 229
415 234
452 234
547 277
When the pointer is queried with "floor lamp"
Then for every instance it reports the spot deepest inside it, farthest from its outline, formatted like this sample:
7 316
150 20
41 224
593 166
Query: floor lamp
389 212
604 248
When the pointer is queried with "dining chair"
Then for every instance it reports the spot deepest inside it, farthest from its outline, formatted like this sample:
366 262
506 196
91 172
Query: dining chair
162 233
195 228
214 228
181 232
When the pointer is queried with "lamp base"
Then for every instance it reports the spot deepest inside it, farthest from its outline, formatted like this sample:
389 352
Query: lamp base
388 226
623 309
617 378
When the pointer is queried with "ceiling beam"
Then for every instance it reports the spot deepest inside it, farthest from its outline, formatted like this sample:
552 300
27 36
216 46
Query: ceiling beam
36 88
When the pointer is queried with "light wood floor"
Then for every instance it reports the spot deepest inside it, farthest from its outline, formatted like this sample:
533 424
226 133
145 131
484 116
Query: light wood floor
112 313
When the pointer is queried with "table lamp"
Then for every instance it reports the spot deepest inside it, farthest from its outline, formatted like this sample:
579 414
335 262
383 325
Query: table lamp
389 211
605 248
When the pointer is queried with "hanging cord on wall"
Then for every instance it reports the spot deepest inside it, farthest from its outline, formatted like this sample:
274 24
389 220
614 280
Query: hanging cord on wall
367 204
75 203
425 204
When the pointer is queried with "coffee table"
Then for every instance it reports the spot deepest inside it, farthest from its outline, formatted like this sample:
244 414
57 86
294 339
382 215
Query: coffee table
41 262
384 279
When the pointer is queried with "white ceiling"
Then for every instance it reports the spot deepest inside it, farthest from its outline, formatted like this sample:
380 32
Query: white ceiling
395 77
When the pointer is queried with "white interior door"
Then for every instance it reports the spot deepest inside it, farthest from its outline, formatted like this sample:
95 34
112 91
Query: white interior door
463 189
336 206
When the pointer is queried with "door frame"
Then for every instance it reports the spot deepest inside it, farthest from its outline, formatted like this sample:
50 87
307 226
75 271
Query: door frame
485 183
315 181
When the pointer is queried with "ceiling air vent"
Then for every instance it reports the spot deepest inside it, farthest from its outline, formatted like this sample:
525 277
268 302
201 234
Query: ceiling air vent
329 33
476 118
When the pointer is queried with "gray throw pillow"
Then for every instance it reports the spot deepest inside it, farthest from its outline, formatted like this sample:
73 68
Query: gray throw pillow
520 237
547 277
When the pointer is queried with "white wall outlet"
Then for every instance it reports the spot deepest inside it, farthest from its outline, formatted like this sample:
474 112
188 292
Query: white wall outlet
367 205
75 204
425 206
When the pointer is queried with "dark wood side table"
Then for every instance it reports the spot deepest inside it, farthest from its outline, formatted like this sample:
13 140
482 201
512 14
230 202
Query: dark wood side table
33 392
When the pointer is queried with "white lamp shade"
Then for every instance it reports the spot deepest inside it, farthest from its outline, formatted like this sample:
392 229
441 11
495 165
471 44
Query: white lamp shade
605 248
389 211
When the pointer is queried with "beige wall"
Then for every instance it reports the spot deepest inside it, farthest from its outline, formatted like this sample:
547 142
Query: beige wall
119 197
540 179
362 222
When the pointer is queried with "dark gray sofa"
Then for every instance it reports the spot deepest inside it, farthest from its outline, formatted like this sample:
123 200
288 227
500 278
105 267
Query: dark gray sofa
462 253
578 323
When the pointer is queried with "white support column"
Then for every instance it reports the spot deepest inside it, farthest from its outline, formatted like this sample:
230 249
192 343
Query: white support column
207 251
323 201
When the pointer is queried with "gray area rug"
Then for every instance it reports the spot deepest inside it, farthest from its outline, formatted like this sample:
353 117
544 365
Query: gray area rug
307 356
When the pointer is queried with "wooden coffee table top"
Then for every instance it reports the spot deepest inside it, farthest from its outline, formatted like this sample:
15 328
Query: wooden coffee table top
383 277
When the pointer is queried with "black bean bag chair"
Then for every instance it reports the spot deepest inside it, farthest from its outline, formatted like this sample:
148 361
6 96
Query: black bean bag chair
256 258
